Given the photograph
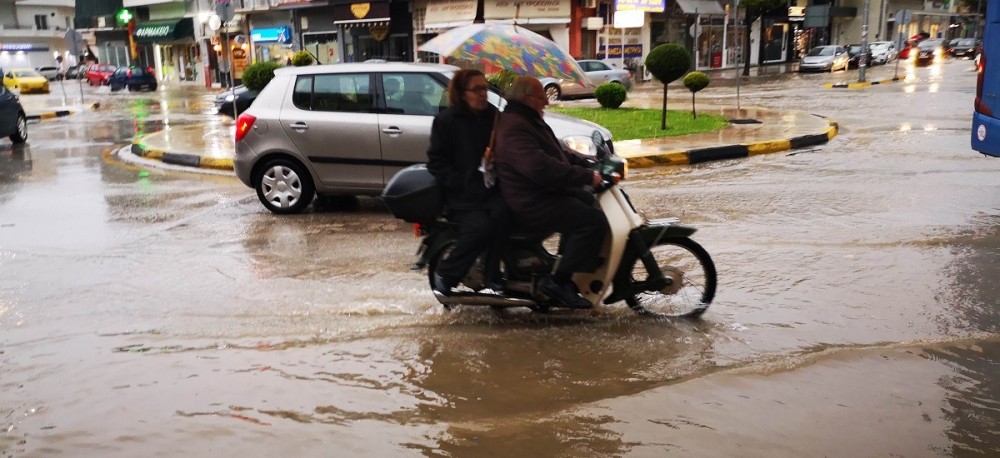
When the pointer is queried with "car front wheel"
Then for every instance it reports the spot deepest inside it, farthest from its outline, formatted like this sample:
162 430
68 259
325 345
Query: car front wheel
284 186
20 134
552 92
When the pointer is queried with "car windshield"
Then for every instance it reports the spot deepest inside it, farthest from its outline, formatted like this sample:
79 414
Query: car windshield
928 44
821 51
966 42
25 73
854 49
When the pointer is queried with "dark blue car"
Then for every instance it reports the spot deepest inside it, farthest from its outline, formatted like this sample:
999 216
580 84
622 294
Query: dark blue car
13 122
134 78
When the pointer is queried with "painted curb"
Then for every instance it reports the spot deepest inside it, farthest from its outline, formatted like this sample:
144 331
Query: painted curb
862 85
188 160
58 113
715 153
50 115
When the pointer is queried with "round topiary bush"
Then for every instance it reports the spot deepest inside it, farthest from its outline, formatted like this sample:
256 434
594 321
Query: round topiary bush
258 74
696 81
667 62
302 59
610 95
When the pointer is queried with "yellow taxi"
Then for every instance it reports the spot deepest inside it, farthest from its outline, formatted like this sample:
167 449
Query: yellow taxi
26 80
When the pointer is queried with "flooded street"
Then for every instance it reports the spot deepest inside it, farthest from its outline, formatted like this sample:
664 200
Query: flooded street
167 312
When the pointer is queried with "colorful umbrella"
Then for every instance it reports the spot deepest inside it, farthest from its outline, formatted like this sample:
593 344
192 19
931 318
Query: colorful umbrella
508 46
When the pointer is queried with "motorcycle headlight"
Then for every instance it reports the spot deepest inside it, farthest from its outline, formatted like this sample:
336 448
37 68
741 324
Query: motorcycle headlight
229 98
581 144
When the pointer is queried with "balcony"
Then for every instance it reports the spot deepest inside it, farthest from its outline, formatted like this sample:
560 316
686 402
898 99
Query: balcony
29 31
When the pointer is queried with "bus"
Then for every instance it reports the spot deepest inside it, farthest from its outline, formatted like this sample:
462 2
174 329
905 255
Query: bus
985 121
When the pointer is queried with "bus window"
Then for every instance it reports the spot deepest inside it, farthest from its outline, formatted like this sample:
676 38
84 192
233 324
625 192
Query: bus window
986 114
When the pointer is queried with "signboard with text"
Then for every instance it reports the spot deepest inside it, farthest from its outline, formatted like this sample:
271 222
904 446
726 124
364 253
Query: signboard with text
653 6
615 51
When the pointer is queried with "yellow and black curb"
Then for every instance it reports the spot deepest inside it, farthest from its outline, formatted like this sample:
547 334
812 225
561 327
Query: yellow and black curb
861 85
50 115
716 153
188 160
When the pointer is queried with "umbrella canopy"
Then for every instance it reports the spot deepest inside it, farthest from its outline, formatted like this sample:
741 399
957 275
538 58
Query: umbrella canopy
508 46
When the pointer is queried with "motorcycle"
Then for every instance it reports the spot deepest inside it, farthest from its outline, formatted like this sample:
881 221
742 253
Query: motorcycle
652 265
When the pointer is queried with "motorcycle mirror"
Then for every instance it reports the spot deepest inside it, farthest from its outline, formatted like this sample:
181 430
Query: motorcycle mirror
599 146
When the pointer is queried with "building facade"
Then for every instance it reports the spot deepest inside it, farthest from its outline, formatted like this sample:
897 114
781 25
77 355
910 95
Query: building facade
32 33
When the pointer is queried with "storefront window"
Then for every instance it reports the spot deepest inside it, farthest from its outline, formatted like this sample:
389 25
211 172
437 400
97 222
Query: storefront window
274 52
323 47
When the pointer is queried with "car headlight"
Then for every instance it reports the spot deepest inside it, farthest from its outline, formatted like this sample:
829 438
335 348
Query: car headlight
581 144
229 98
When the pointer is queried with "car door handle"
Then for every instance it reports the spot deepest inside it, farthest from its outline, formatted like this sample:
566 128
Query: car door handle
392 130
299 126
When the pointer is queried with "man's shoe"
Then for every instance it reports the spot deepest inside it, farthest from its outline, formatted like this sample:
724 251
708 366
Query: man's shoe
565 294
440 287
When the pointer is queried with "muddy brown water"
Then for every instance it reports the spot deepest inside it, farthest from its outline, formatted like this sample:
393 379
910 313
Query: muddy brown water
168 314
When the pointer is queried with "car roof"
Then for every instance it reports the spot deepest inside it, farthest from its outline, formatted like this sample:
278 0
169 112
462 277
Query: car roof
366 67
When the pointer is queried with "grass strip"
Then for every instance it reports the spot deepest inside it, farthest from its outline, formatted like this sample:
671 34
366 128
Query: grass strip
636 123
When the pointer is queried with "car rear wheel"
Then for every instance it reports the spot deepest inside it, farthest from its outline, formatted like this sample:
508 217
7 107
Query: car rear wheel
552 92
20 134
284 186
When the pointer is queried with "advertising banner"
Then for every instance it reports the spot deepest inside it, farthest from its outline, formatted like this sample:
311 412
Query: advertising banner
653 6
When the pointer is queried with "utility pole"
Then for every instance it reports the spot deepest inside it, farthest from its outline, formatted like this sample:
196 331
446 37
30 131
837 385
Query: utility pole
979 9
862 59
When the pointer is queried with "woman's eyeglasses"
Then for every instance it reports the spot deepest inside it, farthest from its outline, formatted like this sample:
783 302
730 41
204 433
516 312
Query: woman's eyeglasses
479 89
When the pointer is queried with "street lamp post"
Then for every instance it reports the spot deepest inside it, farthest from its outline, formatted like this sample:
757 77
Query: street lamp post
864 46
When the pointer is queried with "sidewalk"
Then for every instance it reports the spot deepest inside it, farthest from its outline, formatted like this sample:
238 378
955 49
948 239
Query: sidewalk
765 131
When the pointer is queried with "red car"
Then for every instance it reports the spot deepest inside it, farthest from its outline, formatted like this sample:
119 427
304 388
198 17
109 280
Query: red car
98 74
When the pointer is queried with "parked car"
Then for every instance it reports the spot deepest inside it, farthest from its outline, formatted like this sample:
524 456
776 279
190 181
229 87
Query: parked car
883 52
134 78
51 73
346 129
26 80
824 58
856 56
599 73
928 52
77 72
13 121
224 101
98 74
963 47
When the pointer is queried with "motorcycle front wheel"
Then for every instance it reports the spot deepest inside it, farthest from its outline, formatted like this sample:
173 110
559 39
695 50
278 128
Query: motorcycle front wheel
691 280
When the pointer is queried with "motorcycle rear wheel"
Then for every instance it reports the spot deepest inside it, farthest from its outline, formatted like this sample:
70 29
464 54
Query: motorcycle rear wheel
693 280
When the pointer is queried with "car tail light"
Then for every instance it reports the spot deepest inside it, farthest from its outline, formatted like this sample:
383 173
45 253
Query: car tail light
129 73
418 230
243 125
981 107
149 70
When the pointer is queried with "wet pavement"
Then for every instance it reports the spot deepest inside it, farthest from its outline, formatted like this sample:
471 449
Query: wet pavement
147 310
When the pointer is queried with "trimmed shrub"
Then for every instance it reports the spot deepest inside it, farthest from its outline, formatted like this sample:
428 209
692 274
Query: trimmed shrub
502 79
302 59
610 95
258 74
695 81
668 62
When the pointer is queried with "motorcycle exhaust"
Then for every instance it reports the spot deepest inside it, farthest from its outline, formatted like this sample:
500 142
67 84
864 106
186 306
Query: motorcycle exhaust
481 299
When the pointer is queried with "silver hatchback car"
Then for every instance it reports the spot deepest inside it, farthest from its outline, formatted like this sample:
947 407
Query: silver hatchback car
346 129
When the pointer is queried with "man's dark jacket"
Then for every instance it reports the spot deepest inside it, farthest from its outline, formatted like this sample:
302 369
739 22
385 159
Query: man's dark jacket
533 167
458 139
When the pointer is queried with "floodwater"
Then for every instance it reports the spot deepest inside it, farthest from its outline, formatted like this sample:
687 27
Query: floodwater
167 313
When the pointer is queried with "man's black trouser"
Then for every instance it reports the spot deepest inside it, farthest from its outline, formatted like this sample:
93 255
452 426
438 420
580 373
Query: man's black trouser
481 229
583 228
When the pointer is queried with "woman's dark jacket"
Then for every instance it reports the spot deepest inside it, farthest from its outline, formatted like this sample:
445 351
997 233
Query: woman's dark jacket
534 168
458 139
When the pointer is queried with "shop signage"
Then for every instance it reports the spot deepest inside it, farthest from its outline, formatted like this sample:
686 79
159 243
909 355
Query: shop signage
615 51
653 6
508 9
277 34
360 10
156 31
26 47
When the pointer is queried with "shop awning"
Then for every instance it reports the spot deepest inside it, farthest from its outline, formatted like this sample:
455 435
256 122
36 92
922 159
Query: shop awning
703 7
164 31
